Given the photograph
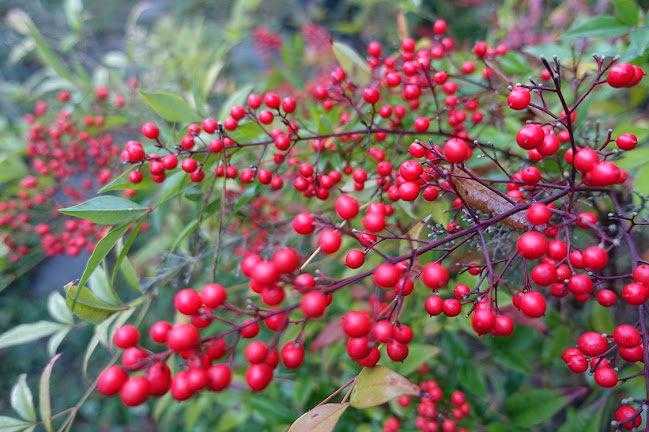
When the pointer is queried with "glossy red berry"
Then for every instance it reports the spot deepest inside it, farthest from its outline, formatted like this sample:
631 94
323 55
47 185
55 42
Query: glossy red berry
126 336
135 391
111 380
518 99
592 344
187 301
532 245
533 304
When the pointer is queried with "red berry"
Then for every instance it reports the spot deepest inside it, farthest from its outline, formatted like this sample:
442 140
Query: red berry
313 304
187 301
530 136
623 416
533 304
182 337
532 245
626 336
219 377
213 295
620 75
592 344
434 276
135 391
518 99
330 241
605 377
126 336
158 331
626 141
150 131
356 324
111 380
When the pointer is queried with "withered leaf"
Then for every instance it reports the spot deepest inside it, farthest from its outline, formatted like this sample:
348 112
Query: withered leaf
487 201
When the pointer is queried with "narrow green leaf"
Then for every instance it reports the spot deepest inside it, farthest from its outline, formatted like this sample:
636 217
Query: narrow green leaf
322 418
170 107
100 331
199 101
189 228
57 308
532 407
352 63
73 9
21 399
236 98
473 379
28 332
44 402
47 54
100 286
627 11
377 385
104 246
127 247
10 424
87 307
598 27
55 340
210 77
106 210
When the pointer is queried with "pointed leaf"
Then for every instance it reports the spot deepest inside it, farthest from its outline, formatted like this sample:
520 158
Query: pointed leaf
55 340
532 407
21 399
352 63
104 246
236 98
627 11
322 418
106 210
170 107
57 308
73 14
377 385
47 54
44 402
100 331
598 27
87 307
123 253
28 332
10 424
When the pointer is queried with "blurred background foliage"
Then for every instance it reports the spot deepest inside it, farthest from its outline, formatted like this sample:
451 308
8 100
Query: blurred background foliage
205 53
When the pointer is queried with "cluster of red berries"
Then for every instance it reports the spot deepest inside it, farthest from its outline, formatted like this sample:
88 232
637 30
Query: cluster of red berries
68 154
433 413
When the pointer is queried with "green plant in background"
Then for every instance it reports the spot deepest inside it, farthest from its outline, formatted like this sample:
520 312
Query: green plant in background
253 211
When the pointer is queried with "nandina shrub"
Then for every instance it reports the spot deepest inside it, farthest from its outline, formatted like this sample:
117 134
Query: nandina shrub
418 224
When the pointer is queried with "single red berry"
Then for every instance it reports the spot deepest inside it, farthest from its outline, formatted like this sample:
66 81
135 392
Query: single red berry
624 414
356 324
518 99
219 377
111 380
313 304
150 131
126 336
187 301
434 276
532 245
182 337
592 344
532 304
605 377
135 391
620 75
626 336
213 295
330 241
530 136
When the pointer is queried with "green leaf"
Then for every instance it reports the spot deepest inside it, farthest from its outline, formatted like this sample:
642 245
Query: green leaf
514 63
249 129
44 402
28 332
57 308
322 418
324 126
532 407
73 9
641 181
104 246
639 42
170 107
377 385
417 354
598 27
100 331
199 102
562 52
189 228
56 339
236 98
21 399
601 320
106 210
47 54
352 63
473 379
10 424
581 421
626 11
87 307
123 253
